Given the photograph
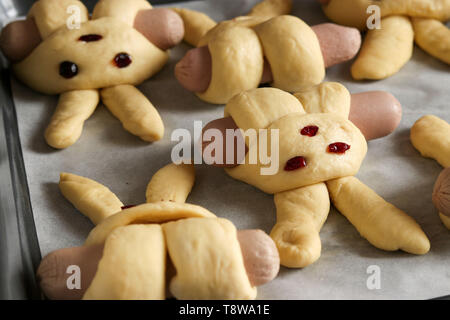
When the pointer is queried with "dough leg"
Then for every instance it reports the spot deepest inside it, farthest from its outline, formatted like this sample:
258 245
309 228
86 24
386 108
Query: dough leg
383 225
171 183
133 109
430 135
91 198
74 107
271 8
386 50
196 25
300 215
433 37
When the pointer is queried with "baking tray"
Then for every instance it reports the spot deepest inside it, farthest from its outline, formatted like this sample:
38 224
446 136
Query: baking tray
19 247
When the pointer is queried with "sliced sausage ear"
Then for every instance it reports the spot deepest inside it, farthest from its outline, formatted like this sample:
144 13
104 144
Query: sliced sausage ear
19 38
162 27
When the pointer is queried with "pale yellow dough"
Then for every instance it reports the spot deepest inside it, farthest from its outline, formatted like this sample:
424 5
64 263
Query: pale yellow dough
91 198
135 111
50 15
66 124
171 183
196 25
208 260
40 70
237 64
433 37
125 11
430 135
238 48
350 13
301 214
301 196
257 108
354 13
385 51
96 68
434 9
292 49
271 8
321 165
383 225
327 97
158 212
133 265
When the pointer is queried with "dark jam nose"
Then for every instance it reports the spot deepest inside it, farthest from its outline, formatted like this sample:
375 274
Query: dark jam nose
90 37
122 60
309 131
295 163
338 147
68 69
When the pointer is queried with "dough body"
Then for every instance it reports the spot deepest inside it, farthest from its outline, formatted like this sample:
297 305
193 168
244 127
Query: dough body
321 165
133 265
208 260
293 51
237 64
238 48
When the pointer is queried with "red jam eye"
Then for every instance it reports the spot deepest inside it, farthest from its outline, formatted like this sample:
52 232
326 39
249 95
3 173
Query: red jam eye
122 60
309 131
68 69
90 37
128 207
338 147
295 163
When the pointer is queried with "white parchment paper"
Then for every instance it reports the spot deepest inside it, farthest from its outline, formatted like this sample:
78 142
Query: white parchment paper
124 163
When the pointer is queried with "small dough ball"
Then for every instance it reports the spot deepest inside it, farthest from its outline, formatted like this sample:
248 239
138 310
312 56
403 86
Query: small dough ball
441 193
261 258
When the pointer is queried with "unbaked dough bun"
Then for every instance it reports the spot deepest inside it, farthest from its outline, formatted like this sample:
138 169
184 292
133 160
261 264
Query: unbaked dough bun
238 48
96 67
321 164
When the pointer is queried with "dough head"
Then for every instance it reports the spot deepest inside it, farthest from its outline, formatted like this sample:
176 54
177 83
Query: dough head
94 50
322 162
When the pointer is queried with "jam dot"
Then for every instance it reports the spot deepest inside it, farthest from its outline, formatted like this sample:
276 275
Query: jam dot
309 131
295 163
68 69
90 37
122 60
338 147
128 207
